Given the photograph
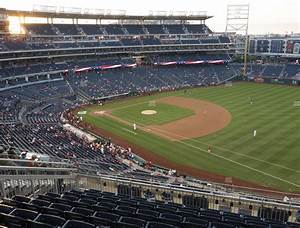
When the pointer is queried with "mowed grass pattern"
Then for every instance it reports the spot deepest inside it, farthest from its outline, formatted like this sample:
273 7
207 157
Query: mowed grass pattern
165 113
271 158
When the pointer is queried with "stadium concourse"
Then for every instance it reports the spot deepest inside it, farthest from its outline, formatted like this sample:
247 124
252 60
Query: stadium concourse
49 173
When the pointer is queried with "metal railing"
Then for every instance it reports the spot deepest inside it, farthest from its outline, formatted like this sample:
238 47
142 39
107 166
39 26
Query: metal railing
31 181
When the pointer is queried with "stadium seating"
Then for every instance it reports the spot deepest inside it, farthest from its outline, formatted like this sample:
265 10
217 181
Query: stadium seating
189 41
130 42
89 29
40 29
213 40
134 29
155 29
175 29
224 39
67 29
272 71
292 70
113 29
151 41
125 211
66 36
197 29
15 44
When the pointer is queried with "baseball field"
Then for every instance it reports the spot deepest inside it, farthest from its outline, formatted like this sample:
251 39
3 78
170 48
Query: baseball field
245 134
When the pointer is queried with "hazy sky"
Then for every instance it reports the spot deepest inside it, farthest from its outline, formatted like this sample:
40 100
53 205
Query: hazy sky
266 16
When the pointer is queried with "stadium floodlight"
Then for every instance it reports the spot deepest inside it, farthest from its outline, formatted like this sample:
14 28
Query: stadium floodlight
237 22
237 19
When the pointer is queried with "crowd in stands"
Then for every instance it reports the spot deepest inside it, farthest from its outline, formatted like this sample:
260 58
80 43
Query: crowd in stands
54 141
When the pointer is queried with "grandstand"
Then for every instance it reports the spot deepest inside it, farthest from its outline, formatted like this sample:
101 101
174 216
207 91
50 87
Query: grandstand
55 172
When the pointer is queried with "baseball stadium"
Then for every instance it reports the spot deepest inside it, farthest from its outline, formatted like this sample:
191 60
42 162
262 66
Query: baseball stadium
114 119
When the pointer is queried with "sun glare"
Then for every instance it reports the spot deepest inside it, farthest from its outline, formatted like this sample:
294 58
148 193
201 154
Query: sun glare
15 25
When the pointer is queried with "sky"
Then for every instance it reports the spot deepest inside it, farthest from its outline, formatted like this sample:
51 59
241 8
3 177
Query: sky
266 16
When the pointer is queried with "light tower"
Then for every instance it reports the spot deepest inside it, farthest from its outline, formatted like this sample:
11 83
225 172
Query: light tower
237 22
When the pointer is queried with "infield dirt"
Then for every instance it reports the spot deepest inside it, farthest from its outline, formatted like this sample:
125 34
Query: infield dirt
208 118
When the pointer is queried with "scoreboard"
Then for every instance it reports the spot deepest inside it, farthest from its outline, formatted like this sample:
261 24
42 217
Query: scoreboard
289 46
293 46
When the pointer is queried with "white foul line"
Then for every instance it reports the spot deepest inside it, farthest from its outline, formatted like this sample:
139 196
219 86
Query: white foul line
132 132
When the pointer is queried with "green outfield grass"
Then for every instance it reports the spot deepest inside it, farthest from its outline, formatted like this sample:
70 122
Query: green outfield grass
271 158
165 113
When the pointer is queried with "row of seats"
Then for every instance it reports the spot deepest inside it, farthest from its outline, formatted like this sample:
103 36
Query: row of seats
16 70
275 71
114 29
92 208
15 44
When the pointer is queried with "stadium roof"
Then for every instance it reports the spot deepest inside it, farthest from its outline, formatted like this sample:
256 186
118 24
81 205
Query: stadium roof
106 14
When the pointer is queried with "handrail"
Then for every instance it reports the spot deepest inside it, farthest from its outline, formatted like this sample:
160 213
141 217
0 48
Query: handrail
35 168
36 162
194 190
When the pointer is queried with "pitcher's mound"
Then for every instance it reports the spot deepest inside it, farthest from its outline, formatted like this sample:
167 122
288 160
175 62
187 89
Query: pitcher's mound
149 112
99 112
